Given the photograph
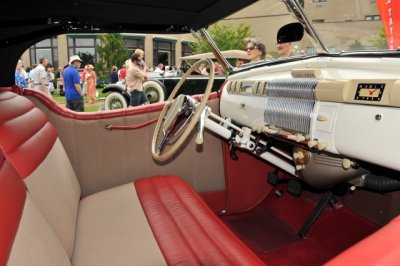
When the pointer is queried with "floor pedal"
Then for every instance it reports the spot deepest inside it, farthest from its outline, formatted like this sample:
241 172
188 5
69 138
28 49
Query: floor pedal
295 188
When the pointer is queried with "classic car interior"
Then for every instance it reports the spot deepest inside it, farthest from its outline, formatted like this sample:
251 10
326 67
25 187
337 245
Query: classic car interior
294 161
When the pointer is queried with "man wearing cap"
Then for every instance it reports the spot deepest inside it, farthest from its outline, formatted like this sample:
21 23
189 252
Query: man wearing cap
73 90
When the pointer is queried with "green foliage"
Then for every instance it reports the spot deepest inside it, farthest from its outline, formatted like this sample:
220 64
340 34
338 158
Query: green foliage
111 52
226 36
87 58
356 45
380 41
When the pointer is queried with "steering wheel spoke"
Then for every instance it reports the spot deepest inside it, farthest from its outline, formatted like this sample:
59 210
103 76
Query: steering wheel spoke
163 142
179 115
184 124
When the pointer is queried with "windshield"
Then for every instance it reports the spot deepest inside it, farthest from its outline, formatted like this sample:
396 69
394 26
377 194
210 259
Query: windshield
354 25
341 25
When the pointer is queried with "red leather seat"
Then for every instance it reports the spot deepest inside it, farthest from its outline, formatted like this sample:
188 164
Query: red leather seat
380 248
50 226
186 230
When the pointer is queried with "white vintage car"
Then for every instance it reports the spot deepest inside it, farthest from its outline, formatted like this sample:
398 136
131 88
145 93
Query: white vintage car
293 161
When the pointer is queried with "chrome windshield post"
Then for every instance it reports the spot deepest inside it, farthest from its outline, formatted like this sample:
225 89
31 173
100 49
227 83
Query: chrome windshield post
295 7
203 34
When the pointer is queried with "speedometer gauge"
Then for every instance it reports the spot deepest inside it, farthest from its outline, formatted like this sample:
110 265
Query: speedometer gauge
369 91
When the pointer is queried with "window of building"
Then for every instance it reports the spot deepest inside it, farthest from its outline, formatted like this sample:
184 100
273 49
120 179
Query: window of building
186 49
373 17
164 51
311 51
133 42
332 49
85 46
46 48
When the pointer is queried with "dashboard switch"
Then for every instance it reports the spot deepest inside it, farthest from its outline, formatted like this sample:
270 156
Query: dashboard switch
347 163
322 118
312 143
322 146
298 155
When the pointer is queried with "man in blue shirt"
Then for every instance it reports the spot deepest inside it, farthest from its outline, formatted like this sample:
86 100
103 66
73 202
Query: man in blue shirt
73 90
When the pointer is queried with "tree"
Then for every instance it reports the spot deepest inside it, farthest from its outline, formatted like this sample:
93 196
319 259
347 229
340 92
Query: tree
111 51
226 36
356 45
380 41
87 58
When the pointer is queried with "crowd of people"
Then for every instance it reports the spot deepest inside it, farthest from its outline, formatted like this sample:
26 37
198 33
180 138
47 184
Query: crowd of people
69 82
134 72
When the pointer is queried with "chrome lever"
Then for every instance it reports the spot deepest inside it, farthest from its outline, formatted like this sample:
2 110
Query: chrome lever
199 138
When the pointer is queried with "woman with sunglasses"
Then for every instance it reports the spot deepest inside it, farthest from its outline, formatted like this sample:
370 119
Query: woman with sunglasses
255 49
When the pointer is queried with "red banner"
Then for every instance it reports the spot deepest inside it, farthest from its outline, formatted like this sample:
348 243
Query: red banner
390 15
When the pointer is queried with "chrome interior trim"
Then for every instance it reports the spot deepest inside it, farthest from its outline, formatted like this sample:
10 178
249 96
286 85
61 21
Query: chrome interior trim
290 103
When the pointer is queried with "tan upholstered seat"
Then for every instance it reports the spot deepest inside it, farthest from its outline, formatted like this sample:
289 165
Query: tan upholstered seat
153 221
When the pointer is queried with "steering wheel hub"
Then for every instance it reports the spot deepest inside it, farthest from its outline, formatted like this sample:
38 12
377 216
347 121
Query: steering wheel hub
183 108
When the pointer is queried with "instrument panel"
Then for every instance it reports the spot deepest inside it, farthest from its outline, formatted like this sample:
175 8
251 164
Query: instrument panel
330 115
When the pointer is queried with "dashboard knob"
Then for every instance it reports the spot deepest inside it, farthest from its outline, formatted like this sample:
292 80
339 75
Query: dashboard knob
300 138
312 143
346 163
322 146
322 118
270 130
298 155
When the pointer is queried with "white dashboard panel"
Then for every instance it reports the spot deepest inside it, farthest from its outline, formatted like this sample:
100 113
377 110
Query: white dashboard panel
323 124
347 118
243 109
369 133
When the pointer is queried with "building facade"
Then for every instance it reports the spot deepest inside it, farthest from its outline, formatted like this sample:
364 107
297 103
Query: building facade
166 49
349 20
346 18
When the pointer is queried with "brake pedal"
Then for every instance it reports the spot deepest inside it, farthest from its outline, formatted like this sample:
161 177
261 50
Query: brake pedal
295 188
273 178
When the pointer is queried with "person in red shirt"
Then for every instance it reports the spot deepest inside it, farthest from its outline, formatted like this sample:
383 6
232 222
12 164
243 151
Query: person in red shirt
122 73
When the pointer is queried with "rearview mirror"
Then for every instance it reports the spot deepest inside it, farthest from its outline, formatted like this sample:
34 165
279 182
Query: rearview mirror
291 32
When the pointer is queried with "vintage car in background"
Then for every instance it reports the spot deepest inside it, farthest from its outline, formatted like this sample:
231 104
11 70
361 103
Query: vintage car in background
160 85
294 161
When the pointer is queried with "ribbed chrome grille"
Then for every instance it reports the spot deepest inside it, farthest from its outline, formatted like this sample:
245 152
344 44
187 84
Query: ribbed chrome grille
290 103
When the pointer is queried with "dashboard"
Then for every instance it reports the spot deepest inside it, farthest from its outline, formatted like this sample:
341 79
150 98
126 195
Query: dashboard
342 111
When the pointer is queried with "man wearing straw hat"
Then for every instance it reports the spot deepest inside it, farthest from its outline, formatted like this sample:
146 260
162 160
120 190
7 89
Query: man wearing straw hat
73 90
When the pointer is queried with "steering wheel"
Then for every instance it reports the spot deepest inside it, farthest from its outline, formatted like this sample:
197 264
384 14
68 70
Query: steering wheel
174 110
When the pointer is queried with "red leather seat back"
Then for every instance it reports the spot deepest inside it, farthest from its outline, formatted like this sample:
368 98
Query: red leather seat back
12 200
26 134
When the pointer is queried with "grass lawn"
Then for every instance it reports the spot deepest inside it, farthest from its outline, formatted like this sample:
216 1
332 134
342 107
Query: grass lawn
91 108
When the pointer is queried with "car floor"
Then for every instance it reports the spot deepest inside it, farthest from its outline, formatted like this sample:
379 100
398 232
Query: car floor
271 229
